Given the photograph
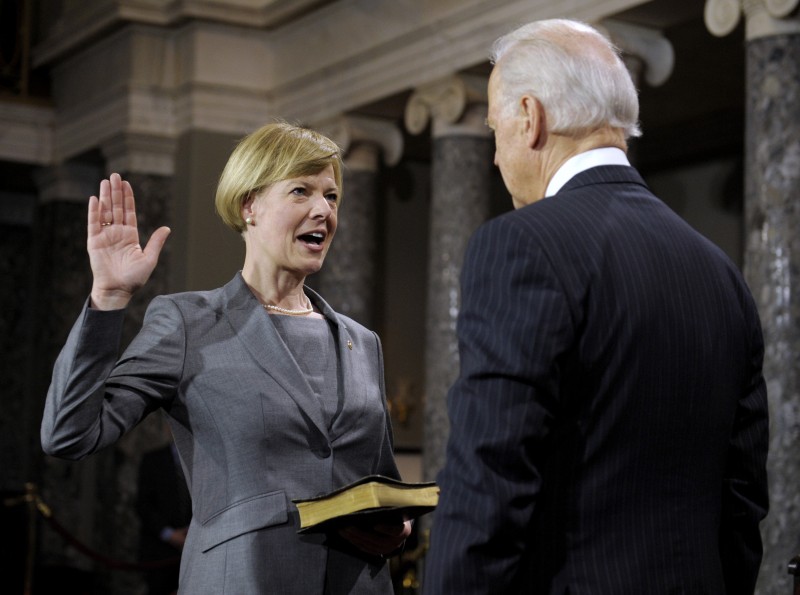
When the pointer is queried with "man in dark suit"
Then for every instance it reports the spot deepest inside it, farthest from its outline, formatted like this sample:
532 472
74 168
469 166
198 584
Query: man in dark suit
165 510
609 423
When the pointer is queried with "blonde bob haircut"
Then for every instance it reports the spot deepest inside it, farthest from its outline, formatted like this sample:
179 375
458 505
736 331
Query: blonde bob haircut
273 153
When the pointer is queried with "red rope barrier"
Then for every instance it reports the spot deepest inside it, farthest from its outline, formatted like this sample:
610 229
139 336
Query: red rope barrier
105 560
31 497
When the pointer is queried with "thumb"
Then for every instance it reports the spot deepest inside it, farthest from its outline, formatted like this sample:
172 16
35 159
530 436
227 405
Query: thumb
156 242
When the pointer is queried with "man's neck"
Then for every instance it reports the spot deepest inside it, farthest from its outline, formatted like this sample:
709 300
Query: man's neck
566 146
559 148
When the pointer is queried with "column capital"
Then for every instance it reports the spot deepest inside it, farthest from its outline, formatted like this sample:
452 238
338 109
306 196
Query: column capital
763 17
445 101
130 152
647 45
351 133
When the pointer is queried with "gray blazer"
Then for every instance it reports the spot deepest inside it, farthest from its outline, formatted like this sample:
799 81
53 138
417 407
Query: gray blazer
249 430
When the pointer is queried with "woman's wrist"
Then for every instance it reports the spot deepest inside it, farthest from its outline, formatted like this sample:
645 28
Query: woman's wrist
103 299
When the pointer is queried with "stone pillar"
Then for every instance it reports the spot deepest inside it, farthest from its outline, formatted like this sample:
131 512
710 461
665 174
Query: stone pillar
348 278
772 250
147 162
461 172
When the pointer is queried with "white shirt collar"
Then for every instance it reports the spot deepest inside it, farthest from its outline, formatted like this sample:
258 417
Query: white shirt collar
583 161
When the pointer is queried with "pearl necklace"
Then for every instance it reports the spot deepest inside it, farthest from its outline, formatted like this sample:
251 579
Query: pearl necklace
289 311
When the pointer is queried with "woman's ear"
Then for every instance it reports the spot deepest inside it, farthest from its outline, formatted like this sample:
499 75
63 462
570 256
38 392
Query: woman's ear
247 205
534 121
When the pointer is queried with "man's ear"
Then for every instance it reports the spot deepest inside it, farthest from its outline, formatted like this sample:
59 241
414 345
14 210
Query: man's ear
533 121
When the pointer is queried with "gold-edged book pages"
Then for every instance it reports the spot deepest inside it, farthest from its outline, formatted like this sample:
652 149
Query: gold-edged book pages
372 499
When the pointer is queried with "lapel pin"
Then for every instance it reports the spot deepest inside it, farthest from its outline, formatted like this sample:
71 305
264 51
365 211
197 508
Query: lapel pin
349 344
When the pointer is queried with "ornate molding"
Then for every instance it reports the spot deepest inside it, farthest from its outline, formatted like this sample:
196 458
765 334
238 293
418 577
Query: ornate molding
445 100
471 123
645 44
218 75
763 17
349 131
781 8
81 22
400 45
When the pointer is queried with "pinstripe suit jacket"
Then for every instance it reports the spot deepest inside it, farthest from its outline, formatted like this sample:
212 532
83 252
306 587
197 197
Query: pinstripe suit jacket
609 423
249 430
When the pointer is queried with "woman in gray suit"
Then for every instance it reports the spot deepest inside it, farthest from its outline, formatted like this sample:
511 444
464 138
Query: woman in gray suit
270 394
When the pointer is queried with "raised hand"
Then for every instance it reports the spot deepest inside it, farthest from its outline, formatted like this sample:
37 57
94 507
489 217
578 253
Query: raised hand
119 264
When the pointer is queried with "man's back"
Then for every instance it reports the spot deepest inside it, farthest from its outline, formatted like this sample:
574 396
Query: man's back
617 354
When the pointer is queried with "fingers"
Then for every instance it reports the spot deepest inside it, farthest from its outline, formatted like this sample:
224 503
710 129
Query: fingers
117 199
93 220
116 204
128 205
374 541
104 203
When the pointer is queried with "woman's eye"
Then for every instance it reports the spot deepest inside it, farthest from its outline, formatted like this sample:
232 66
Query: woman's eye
299 191
333 198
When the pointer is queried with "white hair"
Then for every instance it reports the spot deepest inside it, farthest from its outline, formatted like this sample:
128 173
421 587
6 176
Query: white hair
573 70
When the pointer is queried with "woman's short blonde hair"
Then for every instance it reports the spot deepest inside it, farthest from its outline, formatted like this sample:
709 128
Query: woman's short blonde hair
275 152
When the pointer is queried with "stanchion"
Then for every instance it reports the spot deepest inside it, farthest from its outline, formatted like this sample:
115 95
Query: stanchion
35 506
31 500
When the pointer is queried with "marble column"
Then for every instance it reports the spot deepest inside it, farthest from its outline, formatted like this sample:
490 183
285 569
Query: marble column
461 180
349 277
772 250
147 162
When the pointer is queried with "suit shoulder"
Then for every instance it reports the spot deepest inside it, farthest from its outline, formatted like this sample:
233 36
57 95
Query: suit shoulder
353 326
512 227
192 299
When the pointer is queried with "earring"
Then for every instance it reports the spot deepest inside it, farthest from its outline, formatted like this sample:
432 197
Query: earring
249 221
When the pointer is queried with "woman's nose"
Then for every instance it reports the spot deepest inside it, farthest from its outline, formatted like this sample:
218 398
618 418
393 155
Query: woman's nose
321 207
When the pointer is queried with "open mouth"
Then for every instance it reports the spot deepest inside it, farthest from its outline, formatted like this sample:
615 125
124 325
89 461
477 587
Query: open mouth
314 238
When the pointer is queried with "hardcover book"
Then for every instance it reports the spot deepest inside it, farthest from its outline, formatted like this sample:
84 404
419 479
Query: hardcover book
372 499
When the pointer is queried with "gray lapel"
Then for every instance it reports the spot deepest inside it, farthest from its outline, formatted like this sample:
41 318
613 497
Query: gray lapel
352 356
260 338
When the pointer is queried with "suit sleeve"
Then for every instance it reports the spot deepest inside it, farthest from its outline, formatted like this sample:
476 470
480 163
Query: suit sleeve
513 325
94 399
744 498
